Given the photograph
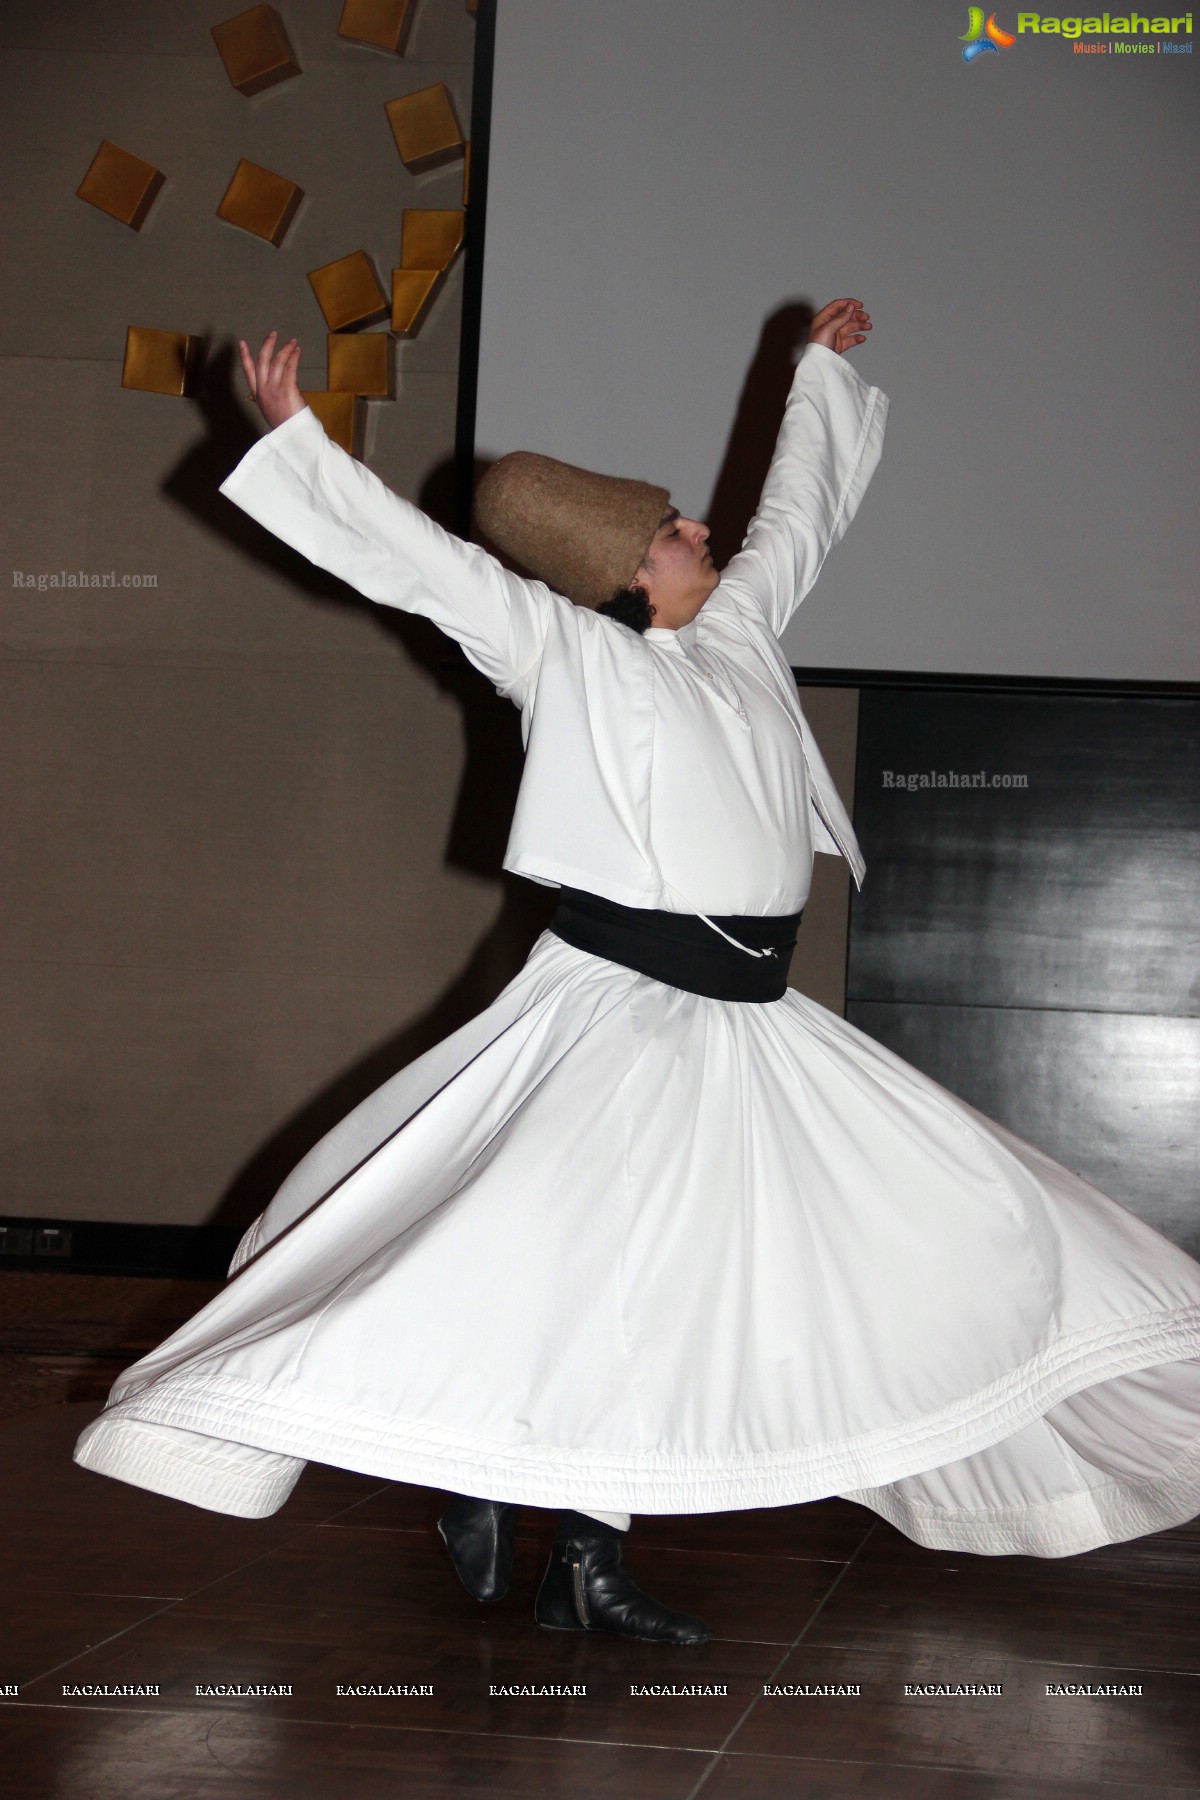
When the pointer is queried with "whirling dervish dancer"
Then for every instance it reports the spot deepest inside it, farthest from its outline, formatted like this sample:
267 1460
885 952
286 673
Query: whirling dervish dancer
654 1233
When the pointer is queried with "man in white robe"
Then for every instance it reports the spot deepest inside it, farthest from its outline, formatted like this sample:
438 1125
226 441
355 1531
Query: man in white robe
629 1243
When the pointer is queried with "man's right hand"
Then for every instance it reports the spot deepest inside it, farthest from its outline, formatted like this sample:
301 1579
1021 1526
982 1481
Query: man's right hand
271 378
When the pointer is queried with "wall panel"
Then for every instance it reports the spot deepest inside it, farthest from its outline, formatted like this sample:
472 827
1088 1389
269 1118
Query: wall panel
1034 948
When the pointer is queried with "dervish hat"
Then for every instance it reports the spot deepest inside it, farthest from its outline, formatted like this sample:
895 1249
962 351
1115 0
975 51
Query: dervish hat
581 533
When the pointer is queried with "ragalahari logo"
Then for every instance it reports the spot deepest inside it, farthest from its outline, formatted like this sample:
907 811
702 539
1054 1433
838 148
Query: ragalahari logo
979 36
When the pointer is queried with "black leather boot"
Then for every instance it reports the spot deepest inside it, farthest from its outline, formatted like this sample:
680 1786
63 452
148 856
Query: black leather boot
586 1589
479 1534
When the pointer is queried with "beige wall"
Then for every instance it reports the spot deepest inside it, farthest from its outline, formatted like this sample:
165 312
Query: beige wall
226 800
253 827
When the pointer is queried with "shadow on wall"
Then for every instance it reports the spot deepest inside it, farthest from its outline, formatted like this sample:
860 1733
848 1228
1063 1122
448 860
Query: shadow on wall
483 807
755 427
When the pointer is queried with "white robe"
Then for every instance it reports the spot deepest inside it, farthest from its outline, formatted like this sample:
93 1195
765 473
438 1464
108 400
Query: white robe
619 1247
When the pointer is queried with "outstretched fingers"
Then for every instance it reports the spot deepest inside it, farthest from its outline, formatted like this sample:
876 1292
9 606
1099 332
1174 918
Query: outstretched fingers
853 326
283 372
248 369
837 316
266 355
271 377
284 364
841 325
853 332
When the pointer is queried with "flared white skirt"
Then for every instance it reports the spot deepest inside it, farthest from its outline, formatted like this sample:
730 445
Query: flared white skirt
623 1248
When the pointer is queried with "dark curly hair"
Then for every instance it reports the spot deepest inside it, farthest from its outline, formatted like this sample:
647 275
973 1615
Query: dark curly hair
630 606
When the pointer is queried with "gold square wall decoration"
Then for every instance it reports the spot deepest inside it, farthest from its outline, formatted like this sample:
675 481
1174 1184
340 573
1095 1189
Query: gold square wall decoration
259 201
425 127
341 416
121 184
360 363
255 49
384 24
413 291
431 236
160 362
348 292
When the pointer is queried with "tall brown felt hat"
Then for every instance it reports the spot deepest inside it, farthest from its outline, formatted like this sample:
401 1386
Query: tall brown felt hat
582 534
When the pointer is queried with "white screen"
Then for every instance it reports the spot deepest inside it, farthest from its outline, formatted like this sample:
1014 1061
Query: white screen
666 173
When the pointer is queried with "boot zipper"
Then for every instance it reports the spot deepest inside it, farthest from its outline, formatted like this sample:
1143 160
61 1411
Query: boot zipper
580 1598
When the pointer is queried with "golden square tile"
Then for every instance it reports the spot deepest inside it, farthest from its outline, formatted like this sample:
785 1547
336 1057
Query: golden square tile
431 236
121 184
160 362
255 49
348 292
425 127
385 24
341 415
413 292
360 363
472 6
260 201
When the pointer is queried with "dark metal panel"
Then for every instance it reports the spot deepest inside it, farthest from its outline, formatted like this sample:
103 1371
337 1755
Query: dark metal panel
1114 1096
1080 889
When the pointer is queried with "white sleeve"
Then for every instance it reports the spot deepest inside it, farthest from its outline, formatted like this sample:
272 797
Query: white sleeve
828 446
334 511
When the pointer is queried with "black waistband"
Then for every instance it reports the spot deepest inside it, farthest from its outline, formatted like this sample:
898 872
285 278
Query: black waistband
679 948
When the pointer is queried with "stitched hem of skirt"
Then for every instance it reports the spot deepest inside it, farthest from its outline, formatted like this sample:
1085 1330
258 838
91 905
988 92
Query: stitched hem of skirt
229 1408
204 1472
1112 1514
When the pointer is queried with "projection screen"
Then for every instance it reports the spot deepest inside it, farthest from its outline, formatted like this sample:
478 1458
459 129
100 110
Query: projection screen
667 174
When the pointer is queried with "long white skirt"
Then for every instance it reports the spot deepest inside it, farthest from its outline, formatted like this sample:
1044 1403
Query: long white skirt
622 1248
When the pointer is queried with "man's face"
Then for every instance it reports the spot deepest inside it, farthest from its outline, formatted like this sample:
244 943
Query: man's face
677 571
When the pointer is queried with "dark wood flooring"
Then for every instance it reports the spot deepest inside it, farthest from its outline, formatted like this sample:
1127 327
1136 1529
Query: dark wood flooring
65 1336
105 1584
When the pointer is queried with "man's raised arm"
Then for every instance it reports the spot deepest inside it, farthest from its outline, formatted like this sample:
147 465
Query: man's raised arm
829 443
334 511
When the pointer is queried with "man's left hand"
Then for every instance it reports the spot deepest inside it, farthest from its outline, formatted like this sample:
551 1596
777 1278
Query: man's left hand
842 325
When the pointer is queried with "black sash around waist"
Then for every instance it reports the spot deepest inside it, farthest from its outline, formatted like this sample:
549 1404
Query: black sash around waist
680 949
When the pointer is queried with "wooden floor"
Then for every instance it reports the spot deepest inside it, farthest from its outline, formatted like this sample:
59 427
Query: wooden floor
107 1586
349 1584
